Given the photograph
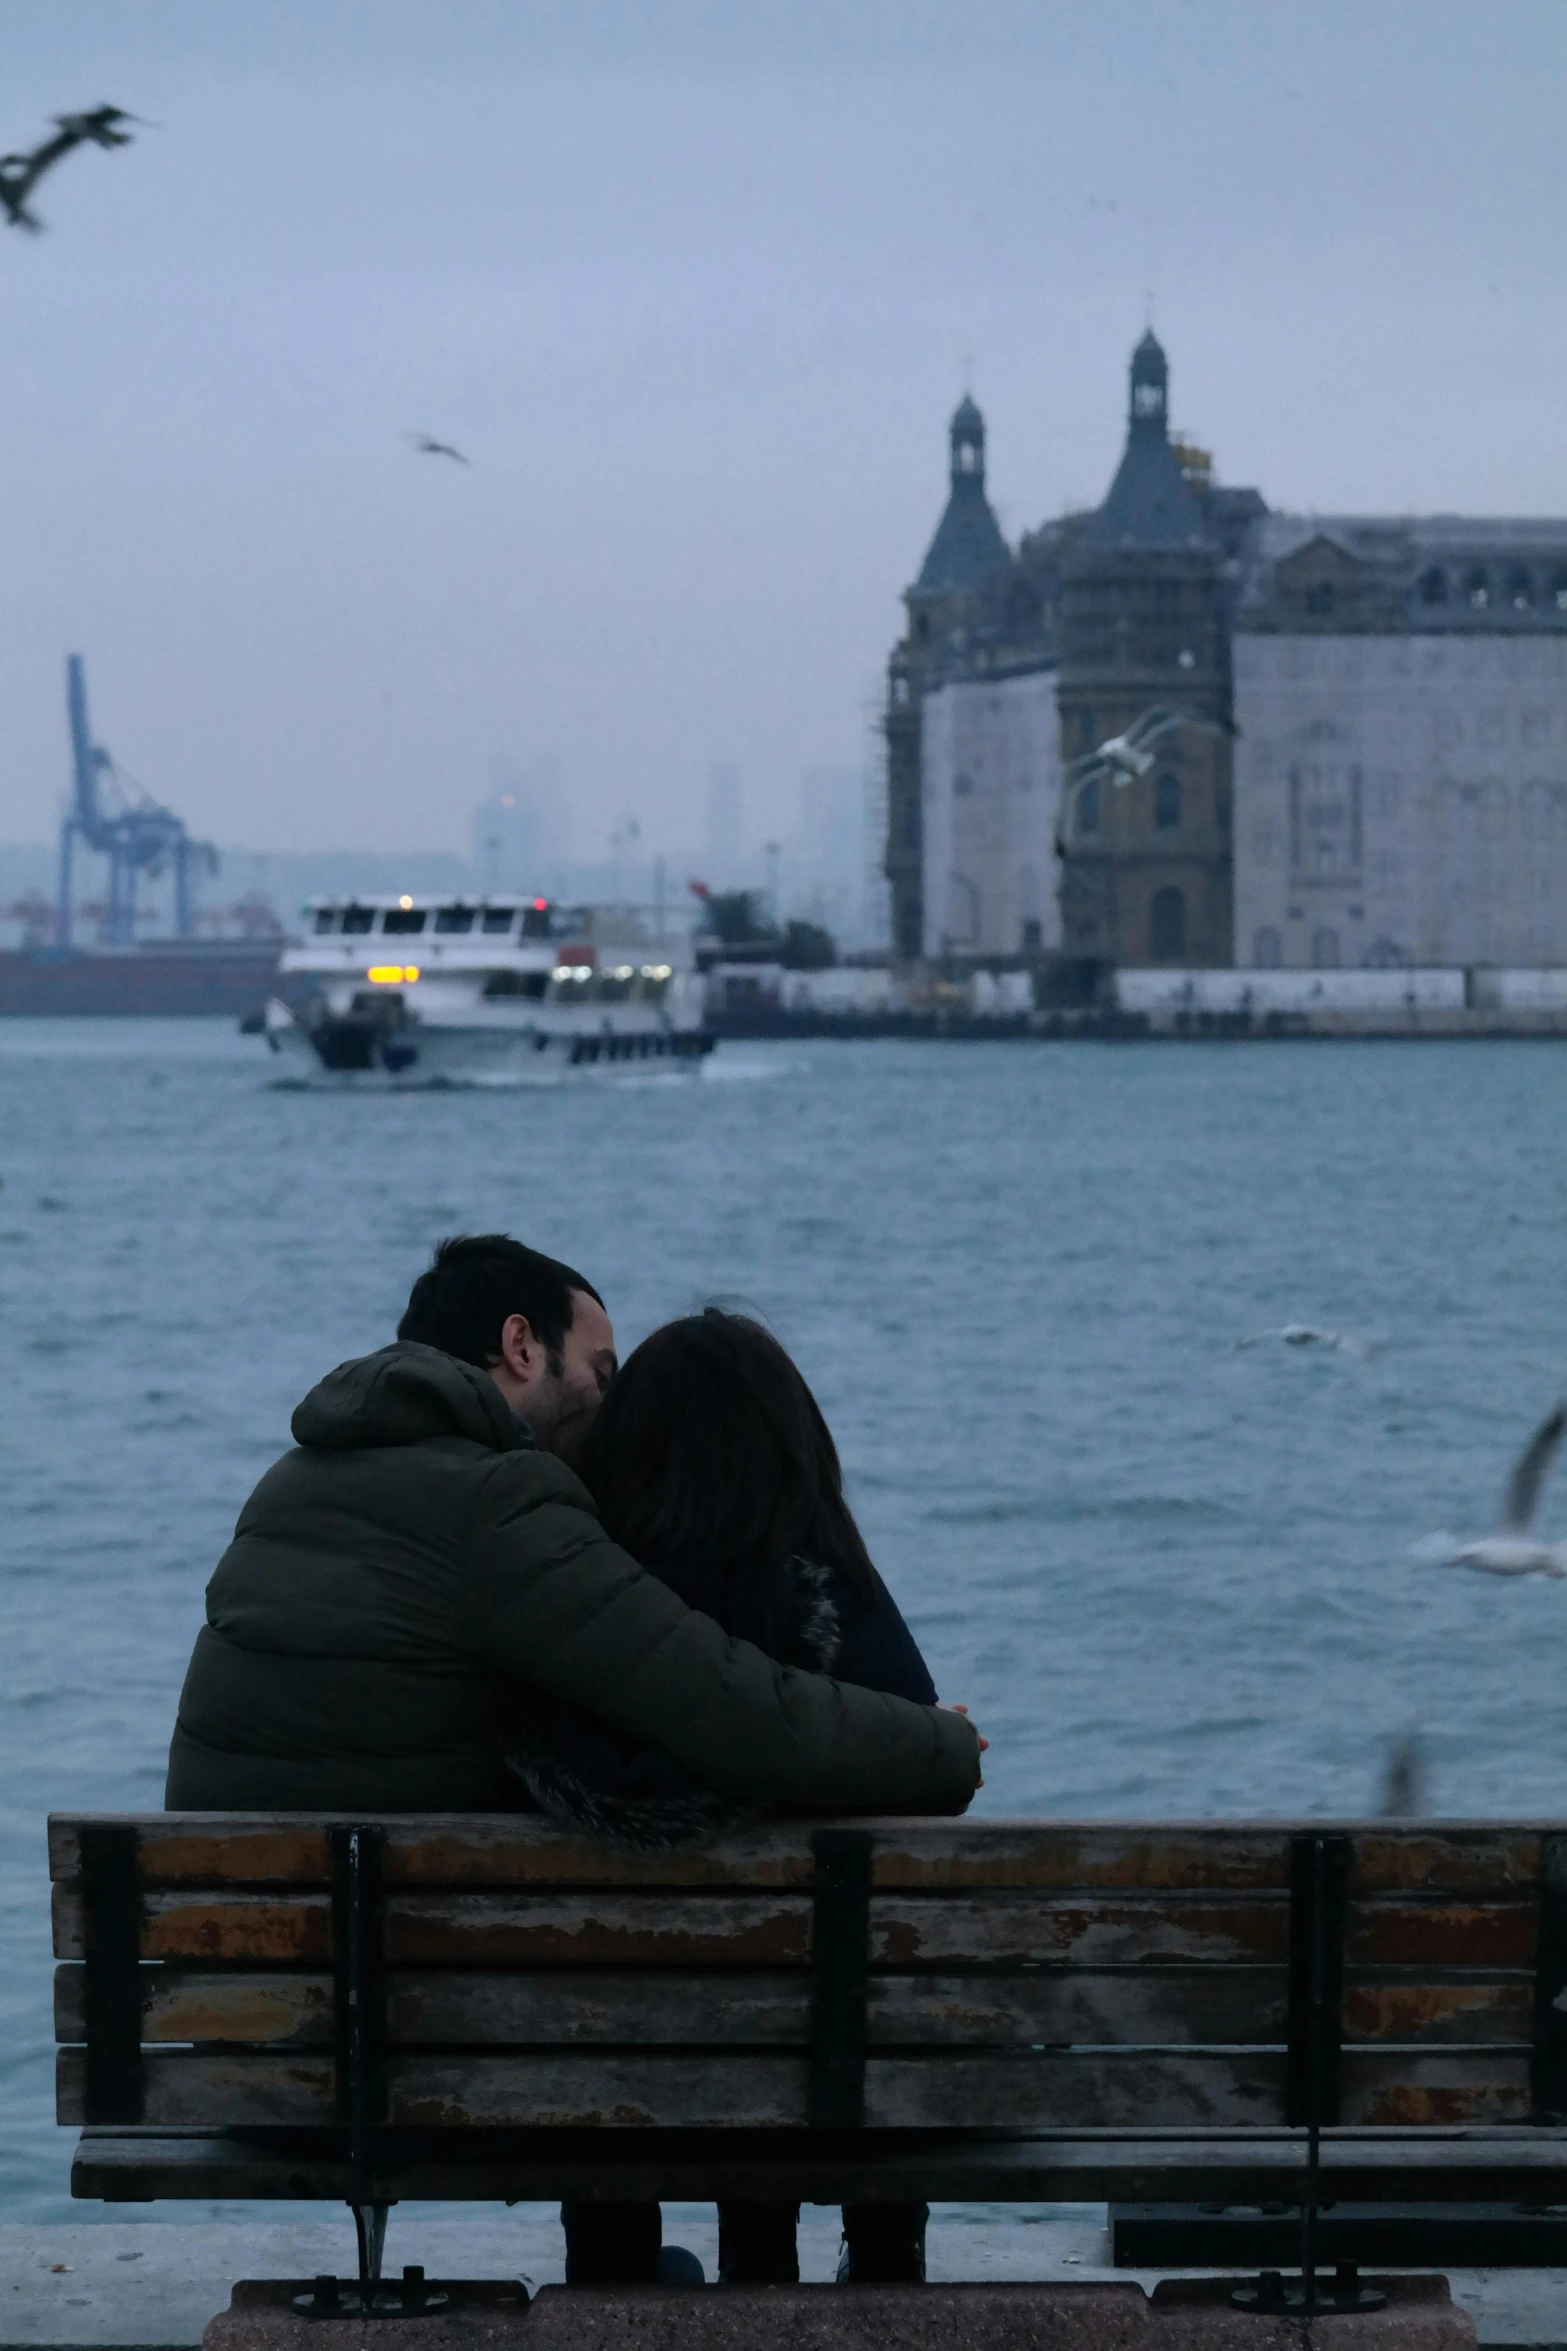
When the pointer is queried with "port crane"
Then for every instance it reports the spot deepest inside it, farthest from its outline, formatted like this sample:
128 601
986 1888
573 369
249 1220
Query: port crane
116 818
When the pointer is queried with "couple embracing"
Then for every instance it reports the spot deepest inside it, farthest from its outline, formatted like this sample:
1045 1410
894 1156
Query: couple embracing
498 1570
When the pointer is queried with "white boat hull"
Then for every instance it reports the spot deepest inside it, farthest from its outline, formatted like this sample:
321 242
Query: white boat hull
492 1053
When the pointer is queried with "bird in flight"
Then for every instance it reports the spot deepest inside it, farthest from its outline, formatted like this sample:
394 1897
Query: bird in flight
20 174
1122 760
1514 1548
428 446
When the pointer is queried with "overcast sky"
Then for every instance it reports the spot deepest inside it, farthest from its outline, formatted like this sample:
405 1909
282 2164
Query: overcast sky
695 286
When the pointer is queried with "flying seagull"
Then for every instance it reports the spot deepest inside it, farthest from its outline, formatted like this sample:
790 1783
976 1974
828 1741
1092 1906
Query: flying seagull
1513 1549
428 446
1122 759
20 174
1126 756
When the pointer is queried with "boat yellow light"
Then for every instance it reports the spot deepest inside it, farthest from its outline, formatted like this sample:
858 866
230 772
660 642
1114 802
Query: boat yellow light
391 975
405 904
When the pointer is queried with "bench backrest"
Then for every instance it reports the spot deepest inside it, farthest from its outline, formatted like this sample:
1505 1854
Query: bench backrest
1011 1976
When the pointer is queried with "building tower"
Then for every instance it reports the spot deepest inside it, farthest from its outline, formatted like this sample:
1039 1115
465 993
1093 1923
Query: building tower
1147 868
961 611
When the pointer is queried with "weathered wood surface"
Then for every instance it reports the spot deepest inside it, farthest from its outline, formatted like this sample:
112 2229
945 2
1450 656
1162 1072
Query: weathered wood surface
997 1928
1473 1857
1136 2090
1506 2165
585 2007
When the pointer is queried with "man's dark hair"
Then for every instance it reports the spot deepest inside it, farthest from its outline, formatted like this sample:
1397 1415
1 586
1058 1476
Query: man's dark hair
475 1281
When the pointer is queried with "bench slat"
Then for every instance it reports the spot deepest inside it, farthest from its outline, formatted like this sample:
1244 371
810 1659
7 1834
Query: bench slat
772 1929
1084 2090
1509 2165
436 2009
585 2007
513 1848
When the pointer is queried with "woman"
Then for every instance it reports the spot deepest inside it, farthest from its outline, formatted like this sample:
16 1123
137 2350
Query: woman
711 1464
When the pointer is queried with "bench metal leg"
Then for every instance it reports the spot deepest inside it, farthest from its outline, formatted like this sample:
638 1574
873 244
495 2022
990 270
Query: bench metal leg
370 2234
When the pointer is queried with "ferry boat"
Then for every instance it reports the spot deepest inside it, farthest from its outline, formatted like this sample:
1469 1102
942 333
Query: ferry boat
455 991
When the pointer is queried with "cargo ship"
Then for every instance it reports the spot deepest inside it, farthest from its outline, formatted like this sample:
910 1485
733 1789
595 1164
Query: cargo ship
168 976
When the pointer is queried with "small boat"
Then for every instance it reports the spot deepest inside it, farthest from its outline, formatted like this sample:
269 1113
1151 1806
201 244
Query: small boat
451 991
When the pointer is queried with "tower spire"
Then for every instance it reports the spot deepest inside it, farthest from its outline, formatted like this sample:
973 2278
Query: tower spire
967 437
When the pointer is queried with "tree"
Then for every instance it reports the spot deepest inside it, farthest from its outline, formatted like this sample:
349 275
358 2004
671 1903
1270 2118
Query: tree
808 947
735 917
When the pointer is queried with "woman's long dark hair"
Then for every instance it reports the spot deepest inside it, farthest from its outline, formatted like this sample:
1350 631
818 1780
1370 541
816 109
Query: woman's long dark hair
711 1463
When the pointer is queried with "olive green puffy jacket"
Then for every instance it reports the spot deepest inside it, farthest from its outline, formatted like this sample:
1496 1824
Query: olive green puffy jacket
414 1548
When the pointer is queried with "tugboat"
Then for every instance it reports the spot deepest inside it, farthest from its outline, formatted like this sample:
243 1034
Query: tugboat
449 991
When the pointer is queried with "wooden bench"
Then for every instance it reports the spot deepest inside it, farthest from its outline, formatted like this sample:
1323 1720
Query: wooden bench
480 2006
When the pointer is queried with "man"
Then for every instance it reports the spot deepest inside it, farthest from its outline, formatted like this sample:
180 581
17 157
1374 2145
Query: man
427 1537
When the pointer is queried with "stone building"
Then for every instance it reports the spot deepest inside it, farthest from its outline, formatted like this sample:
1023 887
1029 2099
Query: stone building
970 735
1013 664
1146 594
1401 765
1371 764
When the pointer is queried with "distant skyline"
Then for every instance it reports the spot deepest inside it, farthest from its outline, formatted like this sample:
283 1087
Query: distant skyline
695 288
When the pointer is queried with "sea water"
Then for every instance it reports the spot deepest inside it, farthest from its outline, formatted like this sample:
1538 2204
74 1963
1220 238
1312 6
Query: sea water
1162 1553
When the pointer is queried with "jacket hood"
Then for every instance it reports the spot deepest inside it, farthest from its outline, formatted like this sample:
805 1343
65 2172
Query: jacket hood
402 1395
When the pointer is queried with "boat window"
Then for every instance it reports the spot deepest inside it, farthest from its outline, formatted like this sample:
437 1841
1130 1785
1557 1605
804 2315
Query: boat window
498 919
615 984
403 920
326 920
531 984
654 984
358 919
535 922
454 918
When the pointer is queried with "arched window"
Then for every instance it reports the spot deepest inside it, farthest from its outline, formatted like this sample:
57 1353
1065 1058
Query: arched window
1324 949
1478 590
1167 927
1433 585
1088 807
1167 801
1520 589
1267 949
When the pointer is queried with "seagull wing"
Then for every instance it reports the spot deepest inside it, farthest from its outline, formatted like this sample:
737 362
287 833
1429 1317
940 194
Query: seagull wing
1529 1471
32 167
1150 727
